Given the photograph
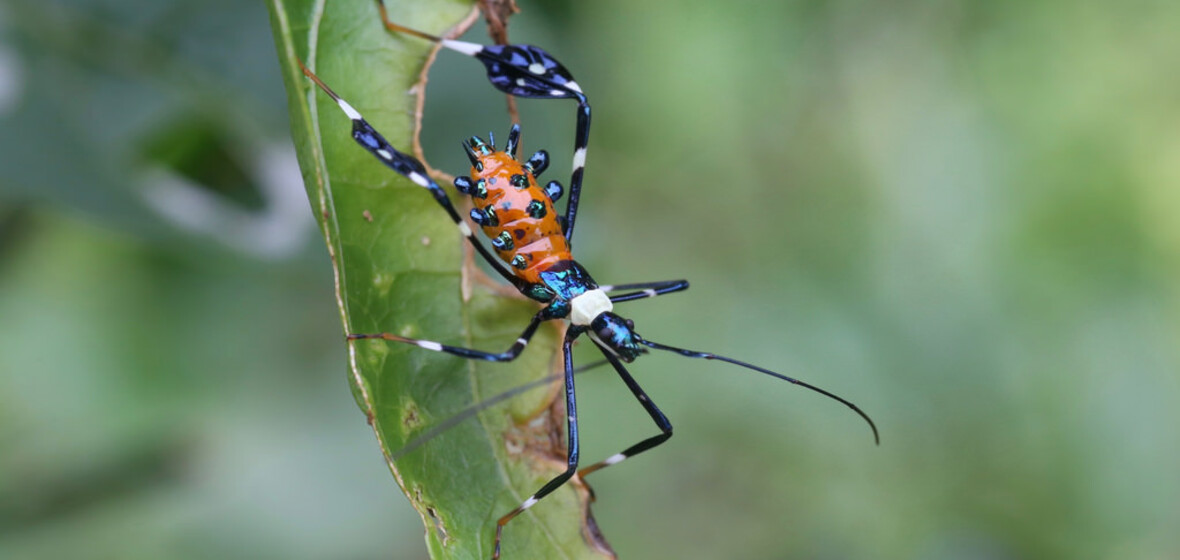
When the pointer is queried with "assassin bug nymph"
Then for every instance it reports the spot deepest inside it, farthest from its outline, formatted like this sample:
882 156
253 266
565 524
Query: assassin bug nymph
520 219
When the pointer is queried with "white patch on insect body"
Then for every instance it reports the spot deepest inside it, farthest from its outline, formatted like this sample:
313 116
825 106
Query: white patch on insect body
522 341
574 86
537 68
469 49
649 292
532 501
580 158
384 154
616 458
464 229
587 306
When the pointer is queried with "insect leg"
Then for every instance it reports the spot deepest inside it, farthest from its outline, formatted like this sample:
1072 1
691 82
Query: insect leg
525 71
412 169
647 289
400 28
471 411
581 139
652 410
571 410
469 353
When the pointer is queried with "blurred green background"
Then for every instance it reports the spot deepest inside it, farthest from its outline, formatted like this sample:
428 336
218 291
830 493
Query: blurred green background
957 214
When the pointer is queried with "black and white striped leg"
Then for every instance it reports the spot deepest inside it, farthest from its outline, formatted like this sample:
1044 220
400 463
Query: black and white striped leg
526 71
506 356
652 410
412 169
571 410
581 140
520 70
646 289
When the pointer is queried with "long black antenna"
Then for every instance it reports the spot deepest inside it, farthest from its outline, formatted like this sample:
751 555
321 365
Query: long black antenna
710 356
459 417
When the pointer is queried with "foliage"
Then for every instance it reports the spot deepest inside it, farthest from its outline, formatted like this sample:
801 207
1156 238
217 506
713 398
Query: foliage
959 214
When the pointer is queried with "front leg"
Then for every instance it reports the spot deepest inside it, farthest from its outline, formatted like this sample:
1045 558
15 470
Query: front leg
646 289
469 353
412 169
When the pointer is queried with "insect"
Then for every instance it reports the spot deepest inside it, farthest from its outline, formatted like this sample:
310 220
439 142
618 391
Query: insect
532 246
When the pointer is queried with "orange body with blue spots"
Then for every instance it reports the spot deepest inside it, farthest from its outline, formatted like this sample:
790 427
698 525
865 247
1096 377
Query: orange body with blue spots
525 229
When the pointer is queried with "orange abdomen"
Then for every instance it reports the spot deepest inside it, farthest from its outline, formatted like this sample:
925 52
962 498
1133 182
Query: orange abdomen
525 234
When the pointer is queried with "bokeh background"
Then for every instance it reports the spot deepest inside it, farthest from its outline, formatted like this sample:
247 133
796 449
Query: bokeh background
960 215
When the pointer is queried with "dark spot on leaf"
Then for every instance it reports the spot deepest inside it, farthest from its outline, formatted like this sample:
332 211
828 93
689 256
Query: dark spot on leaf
410 417
438 525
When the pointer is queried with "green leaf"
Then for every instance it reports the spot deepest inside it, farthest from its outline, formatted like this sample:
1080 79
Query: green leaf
399 268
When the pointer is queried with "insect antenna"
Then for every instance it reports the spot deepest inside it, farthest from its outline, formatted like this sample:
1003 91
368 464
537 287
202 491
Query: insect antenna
471 411
711 356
